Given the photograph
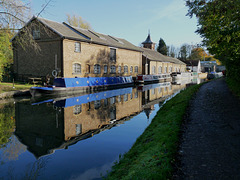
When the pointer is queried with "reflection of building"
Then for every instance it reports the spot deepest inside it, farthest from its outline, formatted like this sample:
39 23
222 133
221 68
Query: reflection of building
44 127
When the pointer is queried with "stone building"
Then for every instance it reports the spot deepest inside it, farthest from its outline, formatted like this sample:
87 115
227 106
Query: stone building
154 62
73 51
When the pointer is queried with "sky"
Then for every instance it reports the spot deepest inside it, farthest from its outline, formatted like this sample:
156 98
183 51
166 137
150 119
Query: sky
128 19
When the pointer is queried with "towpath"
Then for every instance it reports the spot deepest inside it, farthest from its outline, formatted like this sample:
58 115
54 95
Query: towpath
210 147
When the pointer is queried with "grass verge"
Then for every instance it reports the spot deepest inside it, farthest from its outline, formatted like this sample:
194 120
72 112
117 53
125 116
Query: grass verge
152 155
233 86
6 87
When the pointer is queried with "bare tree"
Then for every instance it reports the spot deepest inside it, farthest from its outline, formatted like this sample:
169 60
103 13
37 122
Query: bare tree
14 15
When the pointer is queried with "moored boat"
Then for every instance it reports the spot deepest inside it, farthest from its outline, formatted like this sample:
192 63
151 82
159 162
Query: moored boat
77 85
145 79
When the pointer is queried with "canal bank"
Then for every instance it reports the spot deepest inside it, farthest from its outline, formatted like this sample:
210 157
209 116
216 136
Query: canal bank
152 155
199 139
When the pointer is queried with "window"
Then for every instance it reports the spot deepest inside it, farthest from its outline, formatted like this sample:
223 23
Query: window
136 69
170 69
36 34
77 47
126 69
112 54
113 69
97 69
125 97
87 68
165 69
112 100
76 68
78 129
119 69
131 69
159 69
97 104
105 69
77 109
153 69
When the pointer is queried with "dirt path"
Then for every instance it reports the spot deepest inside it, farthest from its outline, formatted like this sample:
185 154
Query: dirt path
210 147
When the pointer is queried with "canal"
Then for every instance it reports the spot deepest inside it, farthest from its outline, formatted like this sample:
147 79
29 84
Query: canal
75 137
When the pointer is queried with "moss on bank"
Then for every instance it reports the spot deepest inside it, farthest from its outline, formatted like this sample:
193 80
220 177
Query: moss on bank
152 155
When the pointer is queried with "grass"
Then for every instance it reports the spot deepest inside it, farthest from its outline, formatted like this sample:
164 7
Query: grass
234 86
6 87
152 155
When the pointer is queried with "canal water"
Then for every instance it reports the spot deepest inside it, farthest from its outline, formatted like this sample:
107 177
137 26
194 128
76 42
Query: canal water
75 137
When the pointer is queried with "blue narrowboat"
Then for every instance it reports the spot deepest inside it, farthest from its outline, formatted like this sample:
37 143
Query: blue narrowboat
68 86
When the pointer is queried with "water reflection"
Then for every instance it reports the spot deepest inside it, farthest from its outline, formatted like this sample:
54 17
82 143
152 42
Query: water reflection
43 127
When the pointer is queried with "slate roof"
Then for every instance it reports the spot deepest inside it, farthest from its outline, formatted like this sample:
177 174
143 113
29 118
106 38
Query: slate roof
191 62
70 32
148 40
156 56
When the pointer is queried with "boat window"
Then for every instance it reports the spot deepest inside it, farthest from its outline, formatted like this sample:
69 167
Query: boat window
136 69
76 68
77 47
113 69
105 69
97 69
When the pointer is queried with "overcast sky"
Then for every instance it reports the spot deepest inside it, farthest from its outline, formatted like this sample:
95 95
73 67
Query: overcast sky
128 19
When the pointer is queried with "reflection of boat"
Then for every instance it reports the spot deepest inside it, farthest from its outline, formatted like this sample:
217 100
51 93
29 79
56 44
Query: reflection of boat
181 75
85 84
153 78
73 101
152 86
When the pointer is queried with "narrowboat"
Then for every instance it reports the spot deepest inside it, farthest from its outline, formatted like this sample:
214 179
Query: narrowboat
145 79
68 86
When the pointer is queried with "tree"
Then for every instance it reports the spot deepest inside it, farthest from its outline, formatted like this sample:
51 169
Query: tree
198 53
219 26
162 48
172 51
78 21
13 16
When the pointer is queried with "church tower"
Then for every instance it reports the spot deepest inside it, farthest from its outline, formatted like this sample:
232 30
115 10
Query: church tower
148 43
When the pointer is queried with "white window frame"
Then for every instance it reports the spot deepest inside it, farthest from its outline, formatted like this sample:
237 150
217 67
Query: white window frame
97 69
105 69
77 47
112 69
159 69
131 69
136 69
77 69
125 69
119 69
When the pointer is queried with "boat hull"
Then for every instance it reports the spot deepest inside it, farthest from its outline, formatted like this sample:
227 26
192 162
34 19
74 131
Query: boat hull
147 79
69 86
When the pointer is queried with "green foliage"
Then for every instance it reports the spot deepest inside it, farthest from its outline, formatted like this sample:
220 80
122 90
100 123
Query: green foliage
219 25
162 48
7 123
6 55
153 153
